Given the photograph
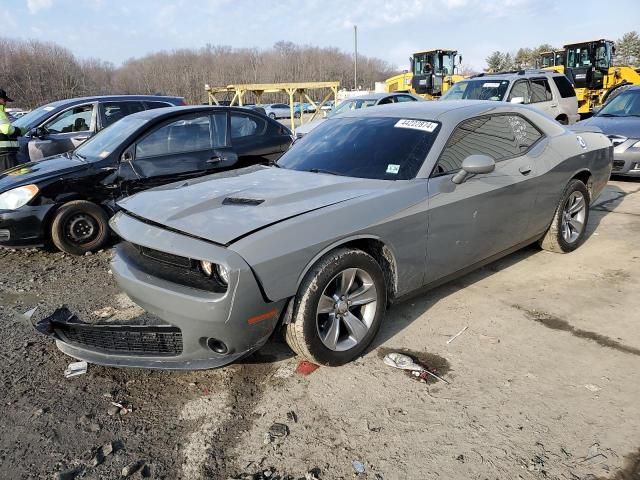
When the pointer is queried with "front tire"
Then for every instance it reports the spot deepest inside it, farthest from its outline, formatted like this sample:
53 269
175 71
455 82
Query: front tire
339 308
80 227
569 224
272 116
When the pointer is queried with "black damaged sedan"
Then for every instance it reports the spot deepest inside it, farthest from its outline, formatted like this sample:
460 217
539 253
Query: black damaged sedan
68 199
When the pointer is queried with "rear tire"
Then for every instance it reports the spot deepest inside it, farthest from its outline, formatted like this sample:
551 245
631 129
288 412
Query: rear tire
569 224
80 227
338 309
272 115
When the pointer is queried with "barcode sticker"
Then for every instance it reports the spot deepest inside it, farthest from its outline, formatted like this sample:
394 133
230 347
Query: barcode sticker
423 125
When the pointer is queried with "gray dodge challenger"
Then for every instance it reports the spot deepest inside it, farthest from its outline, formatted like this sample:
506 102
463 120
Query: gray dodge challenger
367 209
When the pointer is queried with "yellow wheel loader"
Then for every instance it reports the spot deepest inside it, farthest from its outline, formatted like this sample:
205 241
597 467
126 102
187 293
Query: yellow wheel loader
432 73
589 67
551 60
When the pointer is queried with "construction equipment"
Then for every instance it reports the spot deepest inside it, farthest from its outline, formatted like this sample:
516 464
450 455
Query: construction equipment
589 67
551 60
432 73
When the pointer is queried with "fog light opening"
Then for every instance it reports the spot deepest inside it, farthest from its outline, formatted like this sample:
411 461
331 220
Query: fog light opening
217 346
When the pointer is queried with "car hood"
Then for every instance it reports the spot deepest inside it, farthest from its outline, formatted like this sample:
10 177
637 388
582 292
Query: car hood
307 127
225 207
625 126
34 172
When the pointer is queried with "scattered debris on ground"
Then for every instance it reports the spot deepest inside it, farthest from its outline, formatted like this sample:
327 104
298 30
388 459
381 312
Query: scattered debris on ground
75 369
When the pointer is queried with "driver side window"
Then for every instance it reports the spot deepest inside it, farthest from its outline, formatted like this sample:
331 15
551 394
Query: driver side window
76 119
521 89
181 136
497 136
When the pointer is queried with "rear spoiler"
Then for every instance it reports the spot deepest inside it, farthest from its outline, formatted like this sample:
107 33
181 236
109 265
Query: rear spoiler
584 129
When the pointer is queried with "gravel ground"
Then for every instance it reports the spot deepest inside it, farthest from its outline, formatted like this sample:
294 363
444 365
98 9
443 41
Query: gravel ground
544 382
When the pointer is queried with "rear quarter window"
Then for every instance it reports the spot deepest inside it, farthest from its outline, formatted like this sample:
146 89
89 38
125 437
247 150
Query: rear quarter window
564 86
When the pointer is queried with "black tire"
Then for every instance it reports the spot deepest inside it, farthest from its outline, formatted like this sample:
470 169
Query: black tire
303 333
272 115
296 115
554 240
80 227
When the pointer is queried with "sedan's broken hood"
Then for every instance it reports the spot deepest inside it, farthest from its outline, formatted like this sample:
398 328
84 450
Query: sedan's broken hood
224 207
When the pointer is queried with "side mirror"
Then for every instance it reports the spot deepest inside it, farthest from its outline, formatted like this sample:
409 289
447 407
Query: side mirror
127 156
474 165
517 100
38 132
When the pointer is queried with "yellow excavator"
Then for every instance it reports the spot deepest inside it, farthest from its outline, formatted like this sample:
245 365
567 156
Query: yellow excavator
551 60
432 74
589 67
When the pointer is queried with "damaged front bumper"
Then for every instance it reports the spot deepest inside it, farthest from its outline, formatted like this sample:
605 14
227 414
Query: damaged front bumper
202 328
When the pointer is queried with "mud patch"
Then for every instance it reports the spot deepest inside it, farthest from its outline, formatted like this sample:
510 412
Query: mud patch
246 385
432 362
556 323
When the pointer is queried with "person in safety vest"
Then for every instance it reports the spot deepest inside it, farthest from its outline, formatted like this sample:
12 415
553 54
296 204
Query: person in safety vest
8 136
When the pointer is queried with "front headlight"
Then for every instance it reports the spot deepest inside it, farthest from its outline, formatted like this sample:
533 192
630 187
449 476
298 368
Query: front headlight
215 269
17 197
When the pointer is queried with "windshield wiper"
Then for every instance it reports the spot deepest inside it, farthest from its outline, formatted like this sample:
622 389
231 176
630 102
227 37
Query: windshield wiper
320 170
609 115
81 157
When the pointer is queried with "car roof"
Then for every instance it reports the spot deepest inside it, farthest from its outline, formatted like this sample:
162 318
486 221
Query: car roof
449 110
71 101
514 75
375 96
169 111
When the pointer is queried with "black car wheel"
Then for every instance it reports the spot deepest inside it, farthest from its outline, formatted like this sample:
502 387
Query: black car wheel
569 224
80 227
339 308
296 115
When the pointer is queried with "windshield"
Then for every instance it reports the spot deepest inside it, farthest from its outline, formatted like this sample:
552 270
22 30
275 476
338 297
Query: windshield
34 116
477 90
626 104
353 105
106 141
364 147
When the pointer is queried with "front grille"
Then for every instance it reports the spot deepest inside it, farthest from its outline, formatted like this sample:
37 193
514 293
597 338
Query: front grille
4 235
173 268
123 339
618 164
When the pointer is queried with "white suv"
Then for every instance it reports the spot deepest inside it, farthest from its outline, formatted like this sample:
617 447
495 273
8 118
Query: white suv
548 91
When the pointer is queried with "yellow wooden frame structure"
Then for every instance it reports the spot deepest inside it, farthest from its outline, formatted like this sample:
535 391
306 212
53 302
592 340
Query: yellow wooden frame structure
290 88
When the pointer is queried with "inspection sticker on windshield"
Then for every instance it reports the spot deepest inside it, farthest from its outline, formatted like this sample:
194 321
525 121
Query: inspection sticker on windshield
490 85
391 168
416 125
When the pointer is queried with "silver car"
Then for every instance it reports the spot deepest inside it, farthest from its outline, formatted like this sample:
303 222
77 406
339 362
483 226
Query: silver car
619 119
548 91
370 207
279 110
357 103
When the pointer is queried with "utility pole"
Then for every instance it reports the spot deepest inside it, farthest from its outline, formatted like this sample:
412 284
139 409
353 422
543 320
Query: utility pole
355 66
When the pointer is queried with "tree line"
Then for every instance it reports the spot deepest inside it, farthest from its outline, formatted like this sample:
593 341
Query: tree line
627 53
35 72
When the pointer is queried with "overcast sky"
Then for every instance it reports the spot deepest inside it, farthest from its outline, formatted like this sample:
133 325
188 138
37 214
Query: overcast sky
115 30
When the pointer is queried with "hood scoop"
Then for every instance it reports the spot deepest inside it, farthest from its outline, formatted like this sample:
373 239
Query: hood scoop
242 201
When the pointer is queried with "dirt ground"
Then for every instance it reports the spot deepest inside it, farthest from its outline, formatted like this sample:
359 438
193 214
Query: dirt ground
544 383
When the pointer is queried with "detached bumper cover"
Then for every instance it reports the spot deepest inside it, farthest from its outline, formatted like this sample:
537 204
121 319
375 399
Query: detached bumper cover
24 227
240 317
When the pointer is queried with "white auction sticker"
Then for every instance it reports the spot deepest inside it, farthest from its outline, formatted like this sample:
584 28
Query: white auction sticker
391 168
416 125
490 85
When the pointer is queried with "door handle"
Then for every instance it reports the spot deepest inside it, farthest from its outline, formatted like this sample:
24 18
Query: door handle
216 159
554 104
526 170
81 138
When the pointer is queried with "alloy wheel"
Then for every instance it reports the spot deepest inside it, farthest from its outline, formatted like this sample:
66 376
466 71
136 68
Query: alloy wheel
346 309
573 215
